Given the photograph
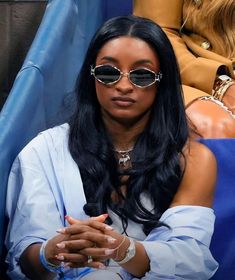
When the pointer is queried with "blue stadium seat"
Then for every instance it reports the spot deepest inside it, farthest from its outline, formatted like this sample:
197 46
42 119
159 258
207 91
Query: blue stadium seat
223 241
43 92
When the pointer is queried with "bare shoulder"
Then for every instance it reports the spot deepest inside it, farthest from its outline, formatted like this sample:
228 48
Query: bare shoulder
196 152
199 179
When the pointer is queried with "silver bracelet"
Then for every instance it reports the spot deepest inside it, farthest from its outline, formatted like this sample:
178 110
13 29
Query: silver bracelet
130 252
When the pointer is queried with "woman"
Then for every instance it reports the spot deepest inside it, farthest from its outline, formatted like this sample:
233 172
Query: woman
202 33
126 152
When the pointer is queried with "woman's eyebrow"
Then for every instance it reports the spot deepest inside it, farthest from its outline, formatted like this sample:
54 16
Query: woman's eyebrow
138 62
109 58
143 61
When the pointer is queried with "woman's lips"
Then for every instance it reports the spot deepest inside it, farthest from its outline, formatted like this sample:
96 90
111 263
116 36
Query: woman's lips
123 101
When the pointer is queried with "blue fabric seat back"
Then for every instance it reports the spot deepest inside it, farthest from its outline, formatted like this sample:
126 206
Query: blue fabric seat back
43 92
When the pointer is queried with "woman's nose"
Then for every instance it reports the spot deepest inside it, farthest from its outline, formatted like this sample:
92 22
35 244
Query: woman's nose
124 85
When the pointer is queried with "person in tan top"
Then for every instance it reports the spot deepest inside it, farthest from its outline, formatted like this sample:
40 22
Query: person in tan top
202 33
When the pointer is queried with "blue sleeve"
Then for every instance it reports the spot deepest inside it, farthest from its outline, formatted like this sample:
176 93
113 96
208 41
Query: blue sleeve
44 184
181 251
32 208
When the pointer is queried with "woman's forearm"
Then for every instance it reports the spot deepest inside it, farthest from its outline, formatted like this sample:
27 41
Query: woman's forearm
31 266
140 263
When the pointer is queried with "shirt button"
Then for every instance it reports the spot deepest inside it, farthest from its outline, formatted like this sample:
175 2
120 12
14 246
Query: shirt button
205 45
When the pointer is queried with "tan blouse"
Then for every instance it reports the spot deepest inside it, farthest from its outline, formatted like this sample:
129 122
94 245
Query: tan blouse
213 23
202 33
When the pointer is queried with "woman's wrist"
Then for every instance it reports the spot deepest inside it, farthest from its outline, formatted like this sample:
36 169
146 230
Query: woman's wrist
56 267
121 249
129 253
125 251
221 85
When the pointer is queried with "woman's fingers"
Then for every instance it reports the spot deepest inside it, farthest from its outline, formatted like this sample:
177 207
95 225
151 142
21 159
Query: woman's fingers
98 253
100 219
93 264
87 256
73 258
72 221
87 240
89 225
75 245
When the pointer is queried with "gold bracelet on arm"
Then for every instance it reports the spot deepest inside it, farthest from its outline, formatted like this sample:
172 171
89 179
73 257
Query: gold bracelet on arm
222 83
130 251
119 246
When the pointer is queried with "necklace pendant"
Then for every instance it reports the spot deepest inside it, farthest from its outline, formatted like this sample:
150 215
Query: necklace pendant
124 159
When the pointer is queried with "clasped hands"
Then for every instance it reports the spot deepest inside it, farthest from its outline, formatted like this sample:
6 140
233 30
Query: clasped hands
84 243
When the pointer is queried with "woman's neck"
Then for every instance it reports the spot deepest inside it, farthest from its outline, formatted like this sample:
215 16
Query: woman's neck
124 135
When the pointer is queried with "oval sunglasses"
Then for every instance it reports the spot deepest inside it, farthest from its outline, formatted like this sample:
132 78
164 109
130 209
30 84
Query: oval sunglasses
140 77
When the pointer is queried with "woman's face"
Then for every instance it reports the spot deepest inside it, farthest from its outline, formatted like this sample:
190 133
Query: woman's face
123 101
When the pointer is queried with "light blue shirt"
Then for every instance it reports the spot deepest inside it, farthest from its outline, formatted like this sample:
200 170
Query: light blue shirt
45 185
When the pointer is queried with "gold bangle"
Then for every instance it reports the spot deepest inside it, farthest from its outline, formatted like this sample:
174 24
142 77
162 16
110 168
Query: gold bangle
220 81
219 93
130 252
119 246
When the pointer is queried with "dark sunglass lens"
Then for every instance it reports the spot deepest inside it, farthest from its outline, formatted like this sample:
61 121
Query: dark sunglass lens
107 74
142 77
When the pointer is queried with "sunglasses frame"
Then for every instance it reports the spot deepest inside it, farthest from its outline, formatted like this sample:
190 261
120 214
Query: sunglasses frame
158 76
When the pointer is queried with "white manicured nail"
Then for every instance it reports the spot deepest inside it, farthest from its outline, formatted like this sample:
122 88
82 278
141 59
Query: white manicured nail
107 227
111 239
109 251
60 230
102 266
60 245
60 257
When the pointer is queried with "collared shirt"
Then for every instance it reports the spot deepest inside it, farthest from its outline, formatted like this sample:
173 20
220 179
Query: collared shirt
45 185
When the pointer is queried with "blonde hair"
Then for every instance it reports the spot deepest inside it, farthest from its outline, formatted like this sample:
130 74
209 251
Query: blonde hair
219 17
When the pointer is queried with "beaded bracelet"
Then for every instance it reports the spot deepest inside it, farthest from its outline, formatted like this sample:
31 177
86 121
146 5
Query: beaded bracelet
59 269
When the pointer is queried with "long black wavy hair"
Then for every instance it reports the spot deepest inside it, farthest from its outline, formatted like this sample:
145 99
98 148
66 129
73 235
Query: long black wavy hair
156 168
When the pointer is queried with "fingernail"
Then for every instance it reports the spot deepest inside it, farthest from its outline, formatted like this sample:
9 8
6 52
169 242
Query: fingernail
105 216
60 245
60 257
108 227
111 239
101 266
60 230
109 251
